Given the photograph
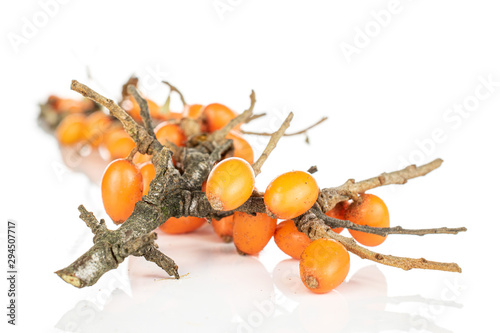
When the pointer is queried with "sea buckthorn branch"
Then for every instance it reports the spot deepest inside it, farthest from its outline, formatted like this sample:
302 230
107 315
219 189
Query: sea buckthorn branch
329 197
146 144
336 223
173 194
143 105
273 141
312 226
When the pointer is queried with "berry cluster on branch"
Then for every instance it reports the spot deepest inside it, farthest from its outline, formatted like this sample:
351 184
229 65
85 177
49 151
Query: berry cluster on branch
176 191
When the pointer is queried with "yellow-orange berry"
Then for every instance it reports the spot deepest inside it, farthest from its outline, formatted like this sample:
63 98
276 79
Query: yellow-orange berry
71 129
252 233
338 212
324 265
291 194
242 148
217 116
170 132
230 184
121 188
224 228
368 210
290 240
182 225
148 174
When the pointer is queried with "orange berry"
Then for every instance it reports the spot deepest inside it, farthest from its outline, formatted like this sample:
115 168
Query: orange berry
170 132
71 129
121 188
217 116
118 143
230 184
291 194
290 240
324 265
252 233
368 210
182 224
242 148
224 228
148 174
193 111
71 105
338 212
97 125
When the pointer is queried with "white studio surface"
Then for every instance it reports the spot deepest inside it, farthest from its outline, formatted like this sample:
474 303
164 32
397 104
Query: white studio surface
401 82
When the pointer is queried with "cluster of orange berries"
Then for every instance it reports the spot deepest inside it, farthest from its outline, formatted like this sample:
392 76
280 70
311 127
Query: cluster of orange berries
99 130
324 263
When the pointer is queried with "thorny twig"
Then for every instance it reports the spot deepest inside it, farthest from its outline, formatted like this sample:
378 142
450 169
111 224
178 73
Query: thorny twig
273 141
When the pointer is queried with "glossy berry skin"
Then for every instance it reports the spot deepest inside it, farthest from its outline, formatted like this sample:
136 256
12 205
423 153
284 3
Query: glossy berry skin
182 225
338 212
72 129
224 228
324 265
171 133
242 148
121 188
230 184
252 233
148 174
291 194
118 143
217 116
290 240
368 210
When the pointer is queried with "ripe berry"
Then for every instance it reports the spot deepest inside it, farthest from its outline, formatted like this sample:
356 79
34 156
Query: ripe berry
290 240
121 188
148 174
182 224
170 132
242 148
71 130
230 184
97 125
217 116
338 212
368 210
291 194
252 233
118 143
224 228
324 265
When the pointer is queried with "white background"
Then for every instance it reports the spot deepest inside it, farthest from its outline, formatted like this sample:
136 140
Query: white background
384 103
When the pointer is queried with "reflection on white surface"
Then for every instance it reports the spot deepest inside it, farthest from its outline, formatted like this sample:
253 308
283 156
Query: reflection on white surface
221 291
